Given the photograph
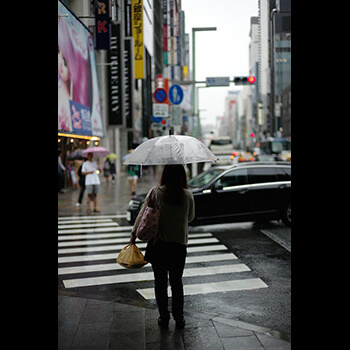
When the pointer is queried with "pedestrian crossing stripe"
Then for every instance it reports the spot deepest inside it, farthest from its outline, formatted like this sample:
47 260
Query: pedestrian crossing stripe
148 276
116 266
93 224
213 287
89 240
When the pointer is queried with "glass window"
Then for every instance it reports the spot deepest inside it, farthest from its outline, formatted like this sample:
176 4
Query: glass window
204 178
233 178
282 175
260 175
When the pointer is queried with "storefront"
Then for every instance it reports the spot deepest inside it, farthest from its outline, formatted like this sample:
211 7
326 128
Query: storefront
80 123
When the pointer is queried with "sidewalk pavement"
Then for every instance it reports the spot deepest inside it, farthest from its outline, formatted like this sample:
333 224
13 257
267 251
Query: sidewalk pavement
98 324
86 323
112 198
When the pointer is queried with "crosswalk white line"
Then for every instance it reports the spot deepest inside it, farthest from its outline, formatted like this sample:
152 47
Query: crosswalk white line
97 229
116 216
116 235
62 222
94 224
116 266
118 246
92 257
93 240
213 287
148 276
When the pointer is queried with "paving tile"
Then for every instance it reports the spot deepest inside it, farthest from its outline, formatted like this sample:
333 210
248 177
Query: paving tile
238 343
201 338
92 335
272 343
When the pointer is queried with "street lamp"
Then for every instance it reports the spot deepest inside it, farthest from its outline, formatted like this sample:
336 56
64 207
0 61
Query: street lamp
194 30
194 100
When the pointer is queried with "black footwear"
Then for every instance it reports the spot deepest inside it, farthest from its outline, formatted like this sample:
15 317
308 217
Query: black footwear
180 323
163 322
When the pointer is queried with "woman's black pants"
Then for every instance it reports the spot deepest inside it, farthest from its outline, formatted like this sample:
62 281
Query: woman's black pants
169 258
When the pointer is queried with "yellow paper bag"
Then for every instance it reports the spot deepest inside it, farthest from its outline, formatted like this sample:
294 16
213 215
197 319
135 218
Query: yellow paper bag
131 257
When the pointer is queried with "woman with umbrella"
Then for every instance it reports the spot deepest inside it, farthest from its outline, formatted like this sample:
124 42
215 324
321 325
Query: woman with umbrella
167 251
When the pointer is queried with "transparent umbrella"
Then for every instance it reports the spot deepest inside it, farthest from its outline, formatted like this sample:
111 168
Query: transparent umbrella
170 149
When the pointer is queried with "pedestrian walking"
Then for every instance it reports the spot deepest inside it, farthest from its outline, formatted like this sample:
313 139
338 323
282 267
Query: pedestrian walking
107 169
92 181
168 249
132 171
81 184
61 172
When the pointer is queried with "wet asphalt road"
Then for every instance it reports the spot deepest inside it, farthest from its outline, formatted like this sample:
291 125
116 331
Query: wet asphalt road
255 246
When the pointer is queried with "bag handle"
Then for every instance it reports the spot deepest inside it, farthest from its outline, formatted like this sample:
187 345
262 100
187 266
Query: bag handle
154 192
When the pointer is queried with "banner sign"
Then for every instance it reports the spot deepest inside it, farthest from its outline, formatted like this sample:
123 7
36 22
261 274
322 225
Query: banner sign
103 27
137 33
114 77
79 109
128 83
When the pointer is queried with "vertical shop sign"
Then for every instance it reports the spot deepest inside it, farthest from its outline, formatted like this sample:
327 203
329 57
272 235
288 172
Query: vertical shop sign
165 32
137 33
103 27
114 76
128 85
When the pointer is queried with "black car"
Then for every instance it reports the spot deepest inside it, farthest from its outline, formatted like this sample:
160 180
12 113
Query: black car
256 191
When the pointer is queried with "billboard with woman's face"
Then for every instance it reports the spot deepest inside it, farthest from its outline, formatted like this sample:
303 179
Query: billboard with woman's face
79 109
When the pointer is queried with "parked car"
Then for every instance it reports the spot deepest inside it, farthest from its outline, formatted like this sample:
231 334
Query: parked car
254 191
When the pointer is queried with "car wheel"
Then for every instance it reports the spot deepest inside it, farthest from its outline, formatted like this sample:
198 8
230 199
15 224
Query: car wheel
287 215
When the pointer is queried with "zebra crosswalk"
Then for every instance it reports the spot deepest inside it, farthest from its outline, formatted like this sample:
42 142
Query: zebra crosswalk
88 248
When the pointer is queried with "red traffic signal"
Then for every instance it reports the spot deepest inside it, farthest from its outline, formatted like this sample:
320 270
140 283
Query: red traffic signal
251 79
244 80
252 135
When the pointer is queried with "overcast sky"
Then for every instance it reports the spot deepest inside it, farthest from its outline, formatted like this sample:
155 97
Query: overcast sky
224 52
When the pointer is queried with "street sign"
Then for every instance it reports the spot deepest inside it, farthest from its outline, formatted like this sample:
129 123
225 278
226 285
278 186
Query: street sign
176 94
160 110
218 81
156 119
175 116
160 95
157 126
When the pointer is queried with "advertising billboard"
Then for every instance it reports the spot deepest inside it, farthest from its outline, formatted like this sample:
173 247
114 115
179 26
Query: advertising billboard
79 108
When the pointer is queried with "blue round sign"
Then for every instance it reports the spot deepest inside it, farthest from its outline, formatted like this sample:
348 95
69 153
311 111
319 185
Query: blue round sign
176 94
156 119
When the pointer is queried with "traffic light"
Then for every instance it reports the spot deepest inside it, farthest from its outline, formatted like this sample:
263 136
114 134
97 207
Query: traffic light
244 80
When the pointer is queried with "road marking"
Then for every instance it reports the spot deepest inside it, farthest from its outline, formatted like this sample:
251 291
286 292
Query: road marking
117 216
214 287
62 222
91 257
92 230
148 276
94 224
121 246
116 266
115 235
92 240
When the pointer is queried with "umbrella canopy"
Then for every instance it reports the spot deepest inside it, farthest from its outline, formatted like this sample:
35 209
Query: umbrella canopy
112 156
77 155
97 151
171 149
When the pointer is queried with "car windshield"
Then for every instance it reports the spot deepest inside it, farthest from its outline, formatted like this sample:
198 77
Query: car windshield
204 178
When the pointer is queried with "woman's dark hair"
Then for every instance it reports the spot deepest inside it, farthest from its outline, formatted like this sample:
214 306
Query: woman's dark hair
174 180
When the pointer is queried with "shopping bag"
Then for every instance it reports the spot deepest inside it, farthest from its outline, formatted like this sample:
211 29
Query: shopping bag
131 257
149 222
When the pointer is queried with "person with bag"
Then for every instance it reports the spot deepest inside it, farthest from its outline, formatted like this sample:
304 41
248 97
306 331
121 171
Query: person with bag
168 249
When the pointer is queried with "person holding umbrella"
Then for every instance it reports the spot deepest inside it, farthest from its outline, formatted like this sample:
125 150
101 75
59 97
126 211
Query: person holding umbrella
92 182
167 250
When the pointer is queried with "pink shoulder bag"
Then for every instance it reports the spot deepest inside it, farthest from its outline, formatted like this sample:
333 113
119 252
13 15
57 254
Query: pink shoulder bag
149 222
